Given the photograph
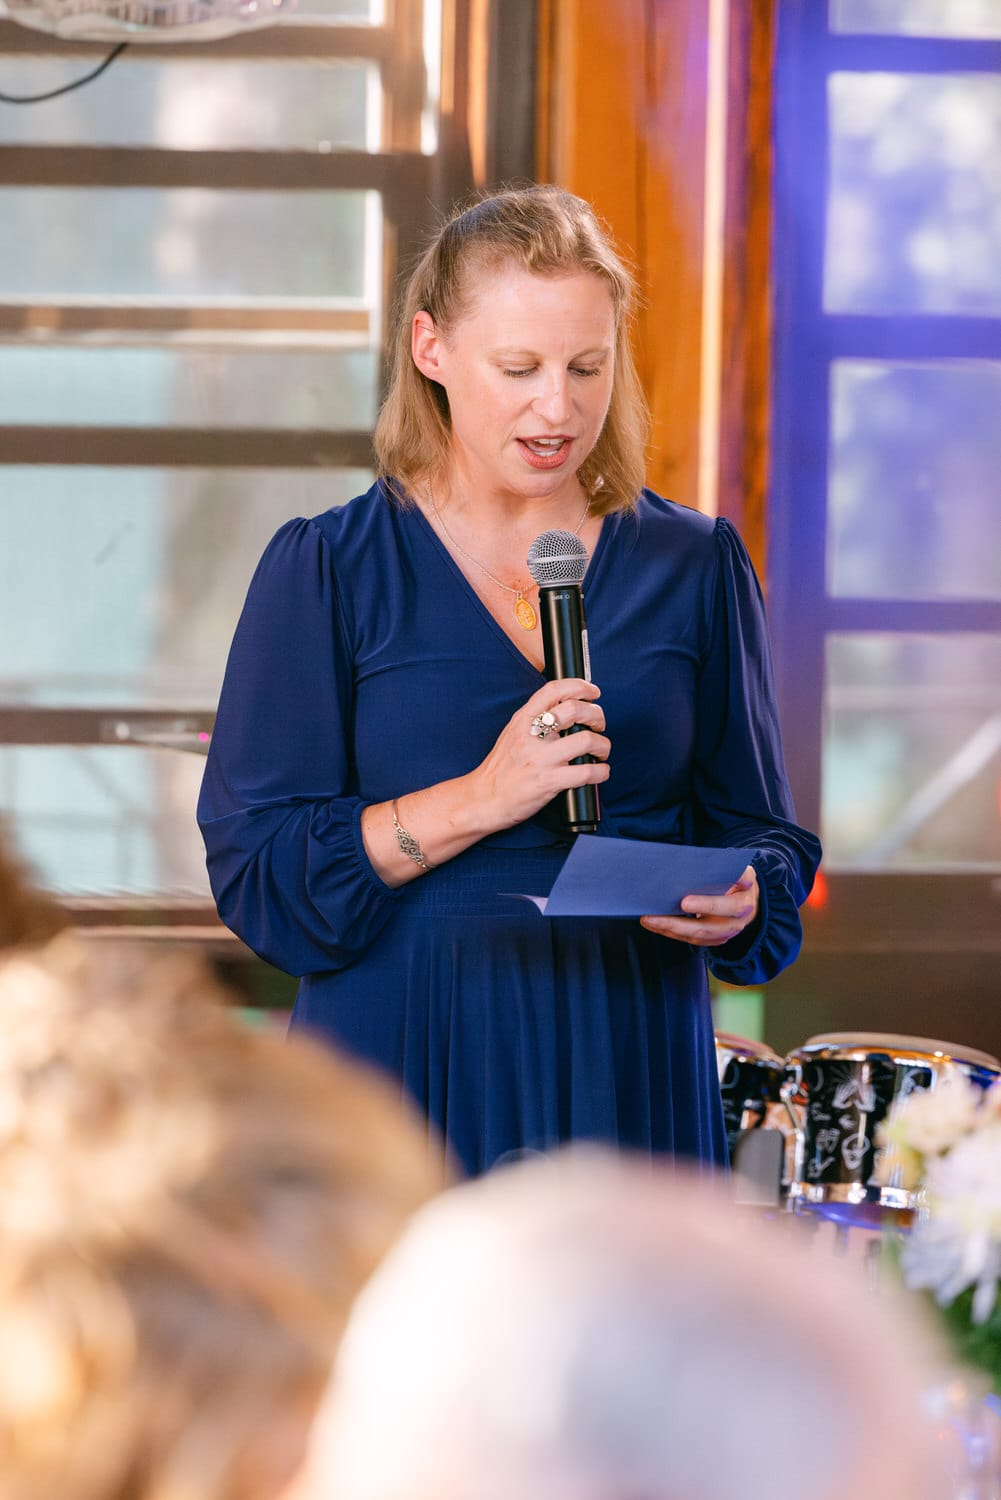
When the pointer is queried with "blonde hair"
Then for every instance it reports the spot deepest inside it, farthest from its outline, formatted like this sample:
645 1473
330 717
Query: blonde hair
188 1207
553 233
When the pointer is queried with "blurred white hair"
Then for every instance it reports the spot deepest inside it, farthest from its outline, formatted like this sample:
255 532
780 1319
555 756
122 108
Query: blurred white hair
594 1328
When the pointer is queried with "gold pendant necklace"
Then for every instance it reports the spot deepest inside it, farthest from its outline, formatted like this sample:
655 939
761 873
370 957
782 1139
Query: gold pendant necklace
524 613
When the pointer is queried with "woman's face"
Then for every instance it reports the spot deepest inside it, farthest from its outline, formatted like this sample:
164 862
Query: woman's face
528 372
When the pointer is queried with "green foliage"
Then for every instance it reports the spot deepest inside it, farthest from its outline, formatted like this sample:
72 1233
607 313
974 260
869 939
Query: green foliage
977 1344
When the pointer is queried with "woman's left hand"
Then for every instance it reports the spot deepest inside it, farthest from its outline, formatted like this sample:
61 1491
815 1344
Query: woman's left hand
710 921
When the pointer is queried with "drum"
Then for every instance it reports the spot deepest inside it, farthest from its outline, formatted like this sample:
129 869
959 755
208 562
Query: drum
838 1089
750 1079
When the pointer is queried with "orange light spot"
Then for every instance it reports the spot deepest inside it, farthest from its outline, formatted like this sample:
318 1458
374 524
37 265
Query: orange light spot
817 899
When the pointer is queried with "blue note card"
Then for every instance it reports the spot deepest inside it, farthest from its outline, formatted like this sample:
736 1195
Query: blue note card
606 877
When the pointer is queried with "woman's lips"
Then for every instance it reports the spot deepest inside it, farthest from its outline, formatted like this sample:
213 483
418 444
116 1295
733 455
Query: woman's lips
545 453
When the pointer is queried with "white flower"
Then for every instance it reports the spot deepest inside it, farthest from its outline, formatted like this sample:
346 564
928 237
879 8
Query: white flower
959 1244
964 1184
942 1261
932 1120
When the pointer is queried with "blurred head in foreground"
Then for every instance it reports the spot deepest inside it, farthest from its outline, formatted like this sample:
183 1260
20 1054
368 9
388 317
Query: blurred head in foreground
585 1329
187 1209
27 915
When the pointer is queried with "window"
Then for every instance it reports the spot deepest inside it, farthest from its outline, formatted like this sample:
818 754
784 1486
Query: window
885 562
194 255
884 565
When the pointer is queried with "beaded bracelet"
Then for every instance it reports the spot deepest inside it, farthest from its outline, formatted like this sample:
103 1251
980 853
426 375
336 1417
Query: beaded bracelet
411 848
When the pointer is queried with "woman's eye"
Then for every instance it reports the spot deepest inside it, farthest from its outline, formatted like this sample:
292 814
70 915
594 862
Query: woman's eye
584 370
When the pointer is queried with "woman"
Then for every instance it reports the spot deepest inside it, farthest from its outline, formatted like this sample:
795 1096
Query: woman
377 780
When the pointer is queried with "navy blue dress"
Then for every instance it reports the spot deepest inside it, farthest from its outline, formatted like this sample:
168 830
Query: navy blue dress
364 667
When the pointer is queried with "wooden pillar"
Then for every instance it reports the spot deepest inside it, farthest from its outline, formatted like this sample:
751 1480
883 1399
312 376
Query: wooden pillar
657 111
747 285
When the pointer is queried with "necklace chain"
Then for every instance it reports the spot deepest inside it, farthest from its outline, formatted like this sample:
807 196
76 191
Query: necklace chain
519 593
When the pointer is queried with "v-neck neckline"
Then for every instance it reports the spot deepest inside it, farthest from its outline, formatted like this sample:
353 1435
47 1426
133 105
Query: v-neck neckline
468 589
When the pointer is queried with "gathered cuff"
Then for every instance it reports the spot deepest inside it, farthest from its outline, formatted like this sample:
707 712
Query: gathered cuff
773 939
298 886
341 880
365 865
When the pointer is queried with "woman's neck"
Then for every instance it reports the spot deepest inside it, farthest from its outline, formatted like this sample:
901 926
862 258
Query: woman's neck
503 511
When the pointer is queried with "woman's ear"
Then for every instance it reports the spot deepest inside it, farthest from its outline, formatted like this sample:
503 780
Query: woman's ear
426 346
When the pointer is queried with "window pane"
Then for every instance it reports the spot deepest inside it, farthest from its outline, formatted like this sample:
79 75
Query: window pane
107 820
912 752
123 586
196 105
959 18
914 208
913 508
188 243
166 387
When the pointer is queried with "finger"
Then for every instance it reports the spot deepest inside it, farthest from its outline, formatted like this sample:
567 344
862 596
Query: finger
740 899
590 774
683 929
566 715
563 688
697 906
576 711
585 742
696 932
736 912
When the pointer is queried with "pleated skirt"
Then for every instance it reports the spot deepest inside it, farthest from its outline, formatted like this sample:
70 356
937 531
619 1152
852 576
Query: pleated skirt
514 1033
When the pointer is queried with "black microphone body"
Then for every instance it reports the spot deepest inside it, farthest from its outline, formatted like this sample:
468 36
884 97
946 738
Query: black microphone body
557 560
564 641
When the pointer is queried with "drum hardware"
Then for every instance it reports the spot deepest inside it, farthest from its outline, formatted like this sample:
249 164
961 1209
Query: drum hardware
750 1077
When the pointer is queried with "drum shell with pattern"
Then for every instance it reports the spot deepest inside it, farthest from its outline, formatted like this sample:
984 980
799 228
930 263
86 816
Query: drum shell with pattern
750 1080
839 1088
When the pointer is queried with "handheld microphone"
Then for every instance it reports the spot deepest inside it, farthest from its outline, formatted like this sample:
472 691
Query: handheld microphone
557 560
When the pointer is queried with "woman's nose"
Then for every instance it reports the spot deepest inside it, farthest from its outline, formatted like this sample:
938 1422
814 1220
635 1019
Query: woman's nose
553 401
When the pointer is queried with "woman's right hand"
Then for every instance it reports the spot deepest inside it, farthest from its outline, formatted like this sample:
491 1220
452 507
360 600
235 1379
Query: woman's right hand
524 771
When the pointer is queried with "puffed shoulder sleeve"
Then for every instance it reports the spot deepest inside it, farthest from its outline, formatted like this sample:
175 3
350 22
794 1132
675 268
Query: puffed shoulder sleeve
741 793
277 810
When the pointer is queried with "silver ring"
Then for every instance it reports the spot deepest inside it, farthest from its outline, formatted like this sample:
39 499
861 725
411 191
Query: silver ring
543 725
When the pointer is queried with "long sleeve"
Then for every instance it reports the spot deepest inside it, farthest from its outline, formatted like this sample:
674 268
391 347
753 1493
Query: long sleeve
740 791
278 811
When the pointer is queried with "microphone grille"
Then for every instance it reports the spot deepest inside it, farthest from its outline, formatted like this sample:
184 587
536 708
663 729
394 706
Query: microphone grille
557 557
